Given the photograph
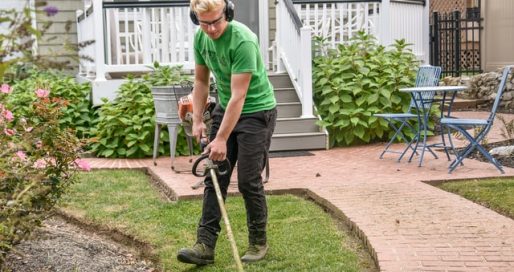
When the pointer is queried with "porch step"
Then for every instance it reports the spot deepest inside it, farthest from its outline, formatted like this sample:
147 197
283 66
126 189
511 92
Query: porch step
296 125
293 132
289 109
286 95
299 141
280 80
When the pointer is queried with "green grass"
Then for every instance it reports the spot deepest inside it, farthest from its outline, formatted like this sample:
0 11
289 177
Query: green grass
302 237
496 194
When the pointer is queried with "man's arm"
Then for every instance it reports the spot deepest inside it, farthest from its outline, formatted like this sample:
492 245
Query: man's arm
239 88
200 94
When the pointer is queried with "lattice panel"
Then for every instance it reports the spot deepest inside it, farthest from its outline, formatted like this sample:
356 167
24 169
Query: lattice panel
470 59
448 5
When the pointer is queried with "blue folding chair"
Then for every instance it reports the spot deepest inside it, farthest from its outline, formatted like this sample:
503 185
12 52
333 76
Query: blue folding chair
426 76
462 125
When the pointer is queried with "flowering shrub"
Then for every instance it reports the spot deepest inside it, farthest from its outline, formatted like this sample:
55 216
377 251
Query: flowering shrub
37 161
78 113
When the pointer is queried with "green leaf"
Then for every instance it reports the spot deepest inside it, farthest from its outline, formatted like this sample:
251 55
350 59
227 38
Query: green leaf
333 108
107 153
334 99
395 99
346 98
144 147
359 132
342 123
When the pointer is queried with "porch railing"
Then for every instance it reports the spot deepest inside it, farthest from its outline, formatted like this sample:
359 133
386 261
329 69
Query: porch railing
294 52
130 35
337 21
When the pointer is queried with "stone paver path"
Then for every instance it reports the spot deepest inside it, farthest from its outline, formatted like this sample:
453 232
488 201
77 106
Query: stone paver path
407 224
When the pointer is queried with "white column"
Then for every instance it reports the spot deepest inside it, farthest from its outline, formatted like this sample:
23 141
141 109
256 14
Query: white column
99 29
426 33
79 12
147 48
32 6
278 35
264 30
384 28
306 71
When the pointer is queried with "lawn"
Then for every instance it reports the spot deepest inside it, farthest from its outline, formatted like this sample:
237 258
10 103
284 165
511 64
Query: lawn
301 235
496 194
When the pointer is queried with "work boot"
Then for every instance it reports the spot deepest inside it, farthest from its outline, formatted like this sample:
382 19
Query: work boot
255 253
199 254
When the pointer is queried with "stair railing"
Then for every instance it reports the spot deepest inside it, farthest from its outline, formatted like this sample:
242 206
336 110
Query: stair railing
294 53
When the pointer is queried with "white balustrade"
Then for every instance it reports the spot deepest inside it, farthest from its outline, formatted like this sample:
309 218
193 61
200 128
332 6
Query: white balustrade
338 22
133 38
294 51
141 36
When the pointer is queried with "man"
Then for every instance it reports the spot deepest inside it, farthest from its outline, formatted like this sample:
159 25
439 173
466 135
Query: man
243 122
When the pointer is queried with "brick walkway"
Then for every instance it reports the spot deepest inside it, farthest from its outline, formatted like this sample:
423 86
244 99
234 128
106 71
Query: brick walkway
407 224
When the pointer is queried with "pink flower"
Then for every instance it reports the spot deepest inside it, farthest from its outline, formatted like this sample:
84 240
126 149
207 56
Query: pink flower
82 164
21 155
9 132
29 129
40 163
8 115
5 88
41 93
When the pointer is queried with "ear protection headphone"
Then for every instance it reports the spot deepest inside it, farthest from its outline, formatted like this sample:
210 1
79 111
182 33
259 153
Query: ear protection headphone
229 13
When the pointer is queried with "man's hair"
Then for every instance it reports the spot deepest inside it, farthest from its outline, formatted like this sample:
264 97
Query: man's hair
200 6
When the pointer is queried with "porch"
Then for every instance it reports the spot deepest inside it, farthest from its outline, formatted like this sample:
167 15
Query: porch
135 34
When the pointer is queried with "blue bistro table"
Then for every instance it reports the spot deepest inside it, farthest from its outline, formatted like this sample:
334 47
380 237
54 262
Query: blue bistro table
424 98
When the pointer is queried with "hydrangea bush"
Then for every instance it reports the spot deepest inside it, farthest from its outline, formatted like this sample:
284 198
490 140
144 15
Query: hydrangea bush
37 161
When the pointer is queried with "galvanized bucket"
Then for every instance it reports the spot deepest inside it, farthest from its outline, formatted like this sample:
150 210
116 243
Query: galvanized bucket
165 100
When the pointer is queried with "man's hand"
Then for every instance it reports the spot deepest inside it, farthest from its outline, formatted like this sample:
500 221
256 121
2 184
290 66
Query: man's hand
217 149
199 130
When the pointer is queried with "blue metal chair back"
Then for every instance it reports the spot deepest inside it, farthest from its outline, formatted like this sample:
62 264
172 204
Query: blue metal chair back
427 76
501 88
461 125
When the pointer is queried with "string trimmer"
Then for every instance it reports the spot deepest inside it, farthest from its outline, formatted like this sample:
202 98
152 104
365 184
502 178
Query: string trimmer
213 169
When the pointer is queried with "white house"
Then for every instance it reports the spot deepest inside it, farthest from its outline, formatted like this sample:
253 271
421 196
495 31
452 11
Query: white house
128 36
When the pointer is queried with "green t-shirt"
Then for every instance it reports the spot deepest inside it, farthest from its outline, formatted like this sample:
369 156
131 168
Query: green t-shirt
235 52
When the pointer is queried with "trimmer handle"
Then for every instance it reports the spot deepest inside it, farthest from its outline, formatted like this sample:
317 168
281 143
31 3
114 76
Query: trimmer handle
211 165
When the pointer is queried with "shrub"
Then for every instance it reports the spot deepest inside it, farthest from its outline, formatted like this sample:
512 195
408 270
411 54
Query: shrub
77 111
37 161
357 80
126 125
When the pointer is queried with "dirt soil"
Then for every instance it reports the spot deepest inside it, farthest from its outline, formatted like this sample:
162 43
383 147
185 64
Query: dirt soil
504 161
62 246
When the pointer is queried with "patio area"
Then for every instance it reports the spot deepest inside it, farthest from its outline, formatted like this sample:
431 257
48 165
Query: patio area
407 224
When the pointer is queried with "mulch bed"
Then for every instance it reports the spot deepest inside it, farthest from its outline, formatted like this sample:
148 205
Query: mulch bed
505 161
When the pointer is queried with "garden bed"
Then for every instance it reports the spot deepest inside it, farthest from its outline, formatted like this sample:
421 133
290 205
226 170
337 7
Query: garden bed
62 246
507 161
